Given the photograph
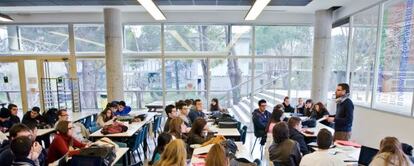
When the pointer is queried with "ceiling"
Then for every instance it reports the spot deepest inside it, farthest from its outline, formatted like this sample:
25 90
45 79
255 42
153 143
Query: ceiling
159 2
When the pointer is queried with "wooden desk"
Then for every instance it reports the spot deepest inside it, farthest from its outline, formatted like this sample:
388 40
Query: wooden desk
242 152
78 116
229 133
316 130
121 153
132 128
152 107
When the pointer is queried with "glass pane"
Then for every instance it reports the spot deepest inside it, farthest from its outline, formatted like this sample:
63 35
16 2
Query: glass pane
195 38
9 84
32 83
396 63
301 81
271 80
284 40
230 80
186 74
138 99
363 52
339 50
4 39
92 82
44 38
142 38
175 96
89 37
241 40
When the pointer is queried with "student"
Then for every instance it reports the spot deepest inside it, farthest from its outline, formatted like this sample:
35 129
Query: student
214 106
321 157
171 113
13 111
284 151
106 117
261 118
162 141
34 116
300 107
174 154
319 111
287 106
217 156
62 116
195 136
41 160
295 125
24 151
197 112
123 109
177 128
63 142
5 123
276 117
18 130
183 111
307 111
189 103
390 154
344 113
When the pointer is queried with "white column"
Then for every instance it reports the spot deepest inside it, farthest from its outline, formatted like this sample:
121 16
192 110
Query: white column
321 68
113 54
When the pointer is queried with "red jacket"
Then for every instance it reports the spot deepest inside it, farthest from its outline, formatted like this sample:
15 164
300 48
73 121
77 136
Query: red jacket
60 146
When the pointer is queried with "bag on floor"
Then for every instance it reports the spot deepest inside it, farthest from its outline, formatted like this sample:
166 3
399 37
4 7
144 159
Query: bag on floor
114 128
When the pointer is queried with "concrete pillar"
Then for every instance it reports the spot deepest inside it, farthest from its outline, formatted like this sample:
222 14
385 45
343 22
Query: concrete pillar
13 38
113 54
321 68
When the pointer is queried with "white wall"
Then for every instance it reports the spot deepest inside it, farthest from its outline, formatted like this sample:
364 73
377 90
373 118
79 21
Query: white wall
370 126
353 7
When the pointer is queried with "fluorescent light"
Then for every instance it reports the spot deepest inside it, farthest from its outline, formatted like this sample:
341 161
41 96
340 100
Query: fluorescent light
5 18
152 9
256 9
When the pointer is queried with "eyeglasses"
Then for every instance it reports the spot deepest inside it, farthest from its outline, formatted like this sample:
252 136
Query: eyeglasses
64 115
263 105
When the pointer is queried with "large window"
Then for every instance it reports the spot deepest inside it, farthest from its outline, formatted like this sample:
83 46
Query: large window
44 38
339 52
395 85
9 83
92 81
284 40
363 52
142 38
89 37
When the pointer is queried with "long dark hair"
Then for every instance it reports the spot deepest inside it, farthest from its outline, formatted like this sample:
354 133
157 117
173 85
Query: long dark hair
276 115
322 107
103 114
214 107
198 126
162 141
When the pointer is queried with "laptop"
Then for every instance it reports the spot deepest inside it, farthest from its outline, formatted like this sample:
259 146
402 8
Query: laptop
366 155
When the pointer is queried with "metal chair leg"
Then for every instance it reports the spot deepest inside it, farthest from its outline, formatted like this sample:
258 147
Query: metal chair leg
254 145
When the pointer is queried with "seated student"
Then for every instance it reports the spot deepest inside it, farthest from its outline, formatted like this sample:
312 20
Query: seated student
123 109
214 106
63 142
183 111
319 111
5 123
196 136
13 111
276 117
287 106
42 151
321 157
197 112
162 141
260 117
18 130
283 150
295 125
174 154
300 107
390 154
24 151
33 116
171 113
307 111
106 117
79 130
177 128
217 156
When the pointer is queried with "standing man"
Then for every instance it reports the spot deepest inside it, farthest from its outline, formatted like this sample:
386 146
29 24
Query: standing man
344 113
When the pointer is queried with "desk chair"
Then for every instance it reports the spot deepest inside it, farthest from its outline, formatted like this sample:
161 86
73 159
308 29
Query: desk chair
259 135
243 134
138 143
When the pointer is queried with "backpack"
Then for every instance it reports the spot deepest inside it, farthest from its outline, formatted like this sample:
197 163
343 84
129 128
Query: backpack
51 116
114 128
95 156
225 118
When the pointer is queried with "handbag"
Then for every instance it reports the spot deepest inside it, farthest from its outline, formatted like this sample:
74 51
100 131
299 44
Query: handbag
94 156
114 128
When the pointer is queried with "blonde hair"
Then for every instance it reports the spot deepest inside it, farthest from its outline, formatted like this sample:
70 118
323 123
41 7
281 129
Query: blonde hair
174 154
217 156
392 146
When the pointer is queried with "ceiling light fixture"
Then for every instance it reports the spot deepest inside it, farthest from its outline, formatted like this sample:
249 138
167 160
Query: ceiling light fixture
152 9
256 9
5 18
